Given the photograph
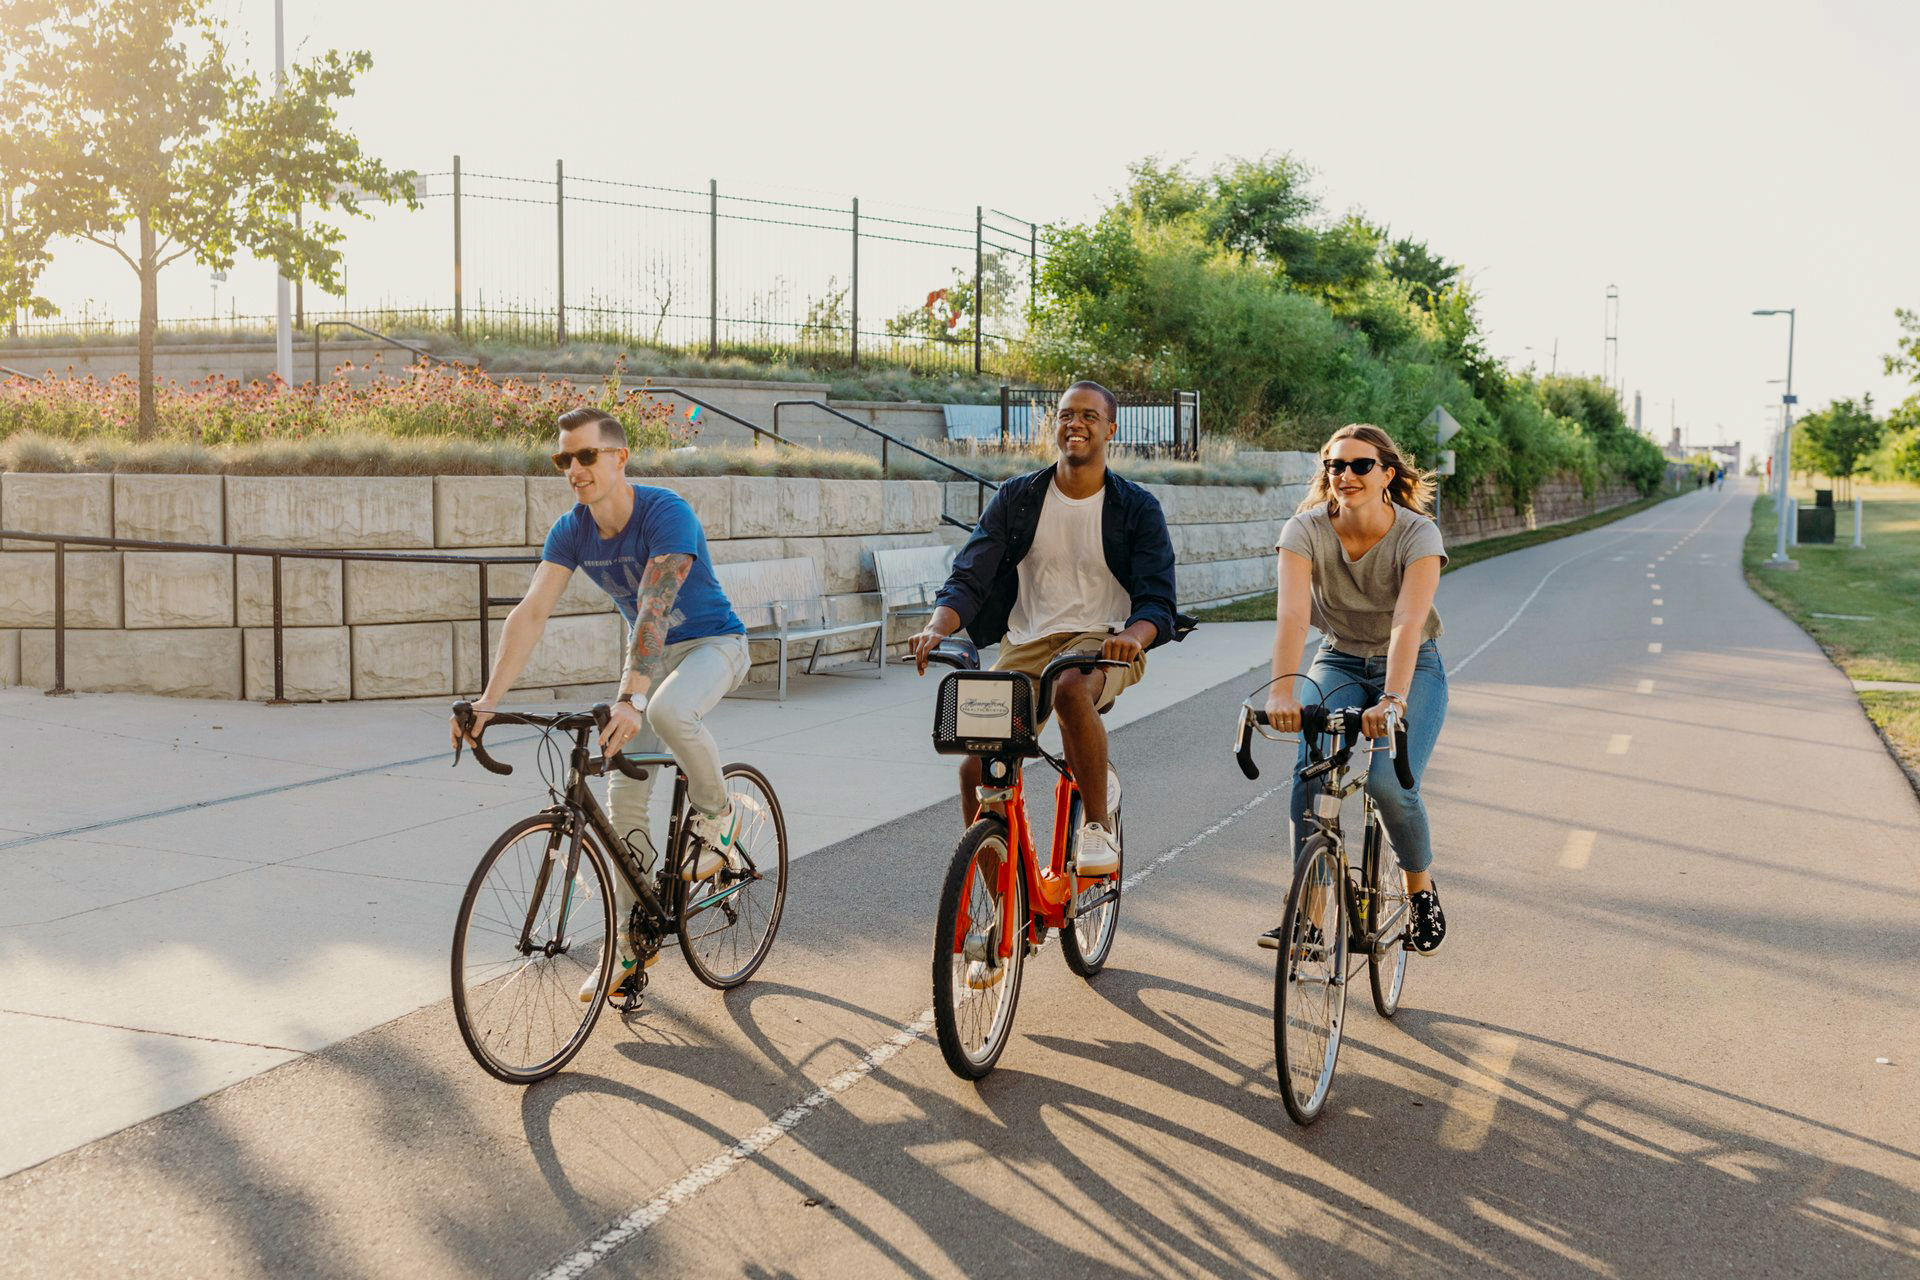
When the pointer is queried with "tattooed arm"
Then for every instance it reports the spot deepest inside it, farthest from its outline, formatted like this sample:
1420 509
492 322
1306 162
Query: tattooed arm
652 620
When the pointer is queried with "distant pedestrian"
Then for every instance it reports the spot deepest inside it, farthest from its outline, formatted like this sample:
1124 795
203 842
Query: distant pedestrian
1699 478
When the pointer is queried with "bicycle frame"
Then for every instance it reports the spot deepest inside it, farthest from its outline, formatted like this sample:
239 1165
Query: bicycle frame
1050 889
1325 815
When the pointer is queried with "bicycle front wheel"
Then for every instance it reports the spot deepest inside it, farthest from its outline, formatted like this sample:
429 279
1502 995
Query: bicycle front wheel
528 940
728 920
1309 986
1088 941
1387 965
974 987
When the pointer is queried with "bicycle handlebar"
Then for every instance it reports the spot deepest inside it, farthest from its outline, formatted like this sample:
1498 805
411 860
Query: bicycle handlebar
567 721
1316 719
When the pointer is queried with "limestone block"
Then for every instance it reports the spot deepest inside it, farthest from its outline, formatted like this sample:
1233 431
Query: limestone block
404 660
33 503
548 498
1196 543
330 512
747 550
582 594
574 650
802 510
177 589
310 591
479 511
378 591
756 507
9 658
169 508
849 507
1222 579
926 507
896 505
93 589
317 663
199 663
963 500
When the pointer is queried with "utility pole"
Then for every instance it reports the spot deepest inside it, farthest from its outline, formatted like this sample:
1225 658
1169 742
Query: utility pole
1784 458
1610 356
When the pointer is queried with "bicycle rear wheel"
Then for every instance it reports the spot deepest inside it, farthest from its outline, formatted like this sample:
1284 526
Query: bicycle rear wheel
1309 985
1088 941
728 920
974 989
1387 965
526 940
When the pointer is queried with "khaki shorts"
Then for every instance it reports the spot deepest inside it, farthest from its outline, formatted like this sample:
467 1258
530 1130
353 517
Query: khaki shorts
1033 657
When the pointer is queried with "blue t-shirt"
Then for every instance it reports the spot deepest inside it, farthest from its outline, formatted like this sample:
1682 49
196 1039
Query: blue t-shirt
662 524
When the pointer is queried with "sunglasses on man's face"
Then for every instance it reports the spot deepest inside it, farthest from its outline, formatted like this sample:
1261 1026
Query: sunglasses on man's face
564 459
1360 466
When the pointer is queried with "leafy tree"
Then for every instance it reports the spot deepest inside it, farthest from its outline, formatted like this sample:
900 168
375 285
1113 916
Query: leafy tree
1837 440
1427 272
130 116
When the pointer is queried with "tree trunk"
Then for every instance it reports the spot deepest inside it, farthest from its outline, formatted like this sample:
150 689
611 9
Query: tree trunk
149 322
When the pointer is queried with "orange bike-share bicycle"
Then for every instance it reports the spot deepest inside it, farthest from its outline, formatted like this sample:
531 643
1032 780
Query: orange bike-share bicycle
998 901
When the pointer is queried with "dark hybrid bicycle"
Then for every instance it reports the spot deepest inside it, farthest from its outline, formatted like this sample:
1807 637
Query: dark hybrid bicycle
538 917
1334 908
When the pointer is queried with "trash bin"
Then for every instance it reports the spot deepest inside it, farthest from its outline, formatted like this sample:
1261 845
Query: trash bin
1816 523
1823 498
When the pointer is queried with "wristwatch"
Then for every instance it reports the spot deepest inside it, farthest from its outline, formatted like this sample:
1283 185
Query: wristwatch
637 700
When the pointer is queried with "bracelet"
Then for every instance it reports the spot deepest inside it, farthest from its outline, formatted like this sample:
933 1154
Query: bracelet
1394 697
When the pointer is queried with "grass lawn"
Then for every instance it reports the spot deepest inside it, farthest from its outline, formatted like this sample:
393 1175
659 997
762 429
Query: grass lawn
1260 608
1876 589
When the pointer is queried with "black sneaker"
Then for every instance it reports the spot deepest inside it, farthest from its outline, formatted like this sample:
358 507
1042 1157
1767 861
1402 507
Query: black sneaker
1428 928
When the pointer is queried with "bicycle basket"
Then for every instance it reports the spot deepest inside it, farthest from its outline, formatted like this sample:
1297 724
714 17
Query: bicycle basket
985 713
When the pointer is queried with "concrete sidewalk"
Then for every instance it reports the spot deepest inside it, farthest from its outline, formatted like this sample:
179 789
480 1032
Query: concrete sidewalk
197 892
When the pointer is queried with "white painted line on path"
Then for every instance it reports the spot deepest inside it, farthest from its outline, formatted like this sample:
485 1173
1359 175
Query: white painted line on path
1658 622
1579 849
1645 686
1658 600
1654 647
1618 743
637 1221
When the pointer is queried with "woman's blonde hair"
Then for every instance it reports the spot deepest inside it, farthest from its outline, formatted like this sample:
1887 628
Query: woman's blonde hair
1411 487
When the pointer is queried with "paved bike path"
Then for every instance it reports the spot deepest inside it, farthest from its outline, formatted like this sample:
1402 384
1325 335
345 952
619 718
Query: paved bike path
1648 1047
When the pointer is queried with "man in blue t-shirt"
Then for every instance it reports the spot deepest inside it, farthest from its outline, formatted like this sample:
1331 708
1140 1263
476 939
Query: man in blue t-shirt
685 648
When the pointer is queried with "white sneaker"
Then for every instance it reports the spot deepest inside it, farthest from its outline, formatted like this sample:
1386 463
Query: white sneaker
1097 854
623 969
982 976
714 835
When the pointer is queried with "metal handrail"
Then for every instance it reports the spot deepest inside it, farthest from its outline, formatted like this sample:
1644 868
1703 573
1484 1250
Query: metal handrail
61 541
12 372
420 351
773 435
887 439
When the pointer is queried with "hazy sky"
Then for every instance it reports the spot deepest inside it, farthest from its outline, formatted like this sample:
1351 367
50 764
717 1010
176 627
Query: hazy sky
1705 158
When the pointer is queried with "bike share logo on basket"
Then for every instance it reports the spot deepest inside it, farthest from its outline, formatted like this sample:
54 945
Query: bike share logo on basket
984 709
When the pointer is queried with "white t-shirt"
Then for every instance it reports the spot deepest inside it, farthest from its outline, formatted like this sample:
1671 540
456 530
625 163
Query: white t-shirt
1065 585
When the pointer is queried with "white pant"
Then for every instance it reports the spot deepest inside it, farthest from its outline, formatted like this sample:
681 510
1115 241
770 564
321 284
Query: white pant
698 673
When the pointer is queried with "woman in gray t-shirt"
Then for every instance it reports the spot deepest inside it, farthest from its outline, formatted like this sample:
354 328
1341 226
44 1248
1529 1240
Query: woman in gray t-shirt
1360 560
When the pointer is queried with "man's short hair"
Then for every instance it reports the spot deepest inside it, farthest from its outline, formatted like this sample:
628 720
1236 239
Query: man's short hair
1106 396
611 432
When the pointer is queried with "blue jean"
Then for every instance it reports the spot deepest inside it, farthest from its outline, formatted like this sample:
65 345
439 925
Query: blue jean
1340 677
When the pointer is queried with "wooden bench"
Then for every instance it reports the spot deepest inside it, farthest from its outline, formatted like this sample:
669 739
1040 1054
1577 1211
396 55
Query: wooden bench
910 578
784 601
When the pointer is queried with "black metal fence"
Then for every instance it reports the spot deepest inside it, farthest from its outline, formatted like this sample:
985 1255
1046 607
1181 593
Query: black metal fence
1155 425
721 269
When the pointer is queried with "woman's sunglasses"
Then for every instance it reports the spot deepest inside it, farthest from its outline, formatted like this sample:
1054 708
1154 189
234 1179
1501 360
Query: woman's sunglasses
1335 466
561 461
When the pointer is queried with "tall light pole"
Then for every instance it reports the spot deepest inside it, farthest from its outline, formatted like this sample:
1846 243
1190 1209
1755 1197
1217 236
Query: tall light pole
1779 557
283 320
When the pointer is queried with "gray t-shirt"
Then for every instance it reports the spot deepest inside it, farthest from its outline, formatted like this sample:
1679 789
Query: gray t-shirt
1353 599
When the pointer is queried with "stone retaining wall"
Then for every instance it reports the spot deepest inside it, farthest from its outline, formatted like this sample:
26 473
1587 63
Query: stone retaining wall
200 624
1490 512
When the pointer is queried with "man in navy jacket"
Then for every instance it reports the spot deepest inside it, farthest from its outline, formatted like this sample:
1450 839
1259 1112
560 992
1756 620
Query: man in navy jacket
1070 558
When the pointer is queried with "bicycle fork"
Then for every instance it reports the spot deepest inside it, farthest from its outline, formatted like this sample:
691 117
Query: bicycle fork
558 944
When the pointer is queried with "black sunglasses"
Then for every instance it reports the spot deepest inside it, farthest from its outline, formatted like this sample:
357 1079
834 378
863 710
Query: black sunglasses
563 460
1360 466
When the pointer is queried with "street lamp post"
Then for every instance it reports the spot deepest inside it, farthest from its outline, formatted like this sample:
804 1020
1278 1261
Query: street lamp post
1780 466
283 319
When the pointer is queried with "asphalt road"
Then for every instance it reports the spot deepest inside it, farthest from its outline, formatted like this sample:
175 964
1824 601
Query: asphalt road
1684 894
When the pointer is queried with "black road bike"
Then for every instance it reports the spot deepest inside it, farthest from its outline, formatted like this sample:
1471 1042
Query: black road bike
538 920
1335 908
